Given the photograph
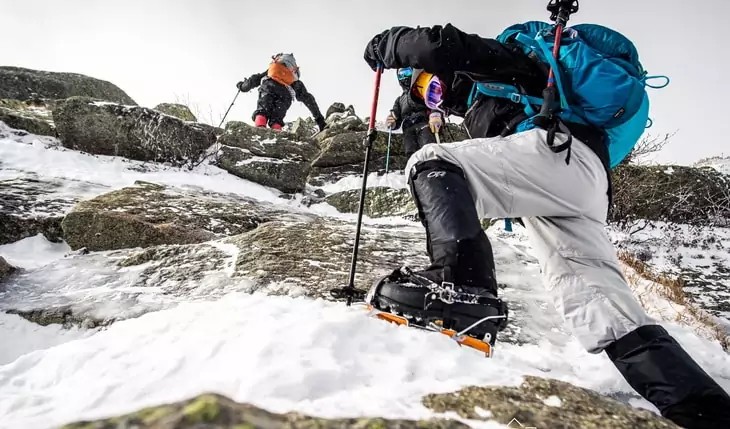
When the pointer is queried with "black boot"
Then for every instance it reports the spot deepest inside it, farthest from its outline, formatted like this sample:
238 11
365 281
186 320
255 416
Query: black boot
457 245
657 367
462 264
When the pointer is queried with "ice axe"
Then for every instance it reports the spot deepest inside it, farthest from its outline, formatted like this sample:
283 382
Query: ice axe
349 292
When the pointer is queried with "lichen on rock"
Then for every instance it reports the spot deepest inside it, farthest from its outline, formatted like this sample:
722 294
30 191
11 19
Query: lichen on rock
179 111
545 403
214 411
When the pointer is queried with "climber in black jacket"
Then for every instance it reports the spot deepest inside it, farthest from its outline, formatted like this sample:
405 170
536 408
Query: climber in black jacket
419 123
507 172
279 84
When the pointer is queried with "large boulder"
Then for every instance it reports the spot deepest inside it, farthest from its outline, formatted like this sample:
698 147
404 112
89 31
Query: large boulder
343 154
283 257
32 206
671 193
545 403
179 111
214 411
148 214
380 201
137 133
271 158
34 119
26 84
310 258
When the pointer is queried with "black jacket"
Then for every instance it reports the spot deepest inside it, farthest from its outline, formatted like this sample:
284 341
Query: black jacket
460 59
409 112
282 92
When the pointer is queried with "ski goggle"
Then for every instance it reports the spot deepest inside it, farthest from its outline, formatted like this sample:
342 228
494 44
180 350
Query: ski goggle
431 90
405 73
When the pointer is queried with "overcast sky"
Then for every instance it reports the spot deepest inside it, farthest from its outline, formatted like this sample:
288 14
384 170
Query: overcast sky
196 50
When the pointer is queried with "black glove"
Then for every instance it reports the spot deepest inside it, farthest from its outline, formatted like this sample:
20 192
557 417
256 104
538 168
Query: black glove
372 53
243 86
321 124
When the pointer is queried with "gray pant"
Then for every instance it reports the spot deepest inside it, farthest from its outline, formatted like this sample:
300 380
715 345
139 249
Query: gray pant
564 208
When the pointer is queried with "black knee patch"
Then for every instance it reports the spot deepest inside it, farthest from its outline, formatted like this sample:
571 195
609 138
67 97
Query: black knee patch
445 204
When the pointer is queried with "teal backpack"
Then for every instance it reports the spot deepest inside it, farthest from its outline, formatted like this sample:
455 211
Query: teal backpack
598 76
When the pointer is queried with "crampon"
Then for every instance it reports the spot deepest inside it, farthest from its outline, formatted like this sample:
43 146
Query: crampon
471 320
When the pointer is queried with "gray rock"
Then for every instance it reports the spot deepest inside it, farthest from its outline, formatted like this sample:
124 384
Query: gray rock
132 132
546 403
336 107
379 202
149 214
34 119
26 84
310 258
271 158
32 206
179 111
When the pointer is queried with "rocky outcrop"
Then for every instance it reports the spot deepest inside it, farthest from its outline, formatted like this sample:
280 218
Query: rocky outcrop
379 202
30 207
213 411
343 154
545 403
6 270
268 157
307 257
672 193
26 84
179 111
148 215
131 132
34 119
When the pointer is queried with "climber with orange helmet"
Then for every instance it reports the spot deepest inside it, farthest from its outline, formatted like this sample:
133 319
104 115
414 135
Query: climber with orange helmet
420 124
279 85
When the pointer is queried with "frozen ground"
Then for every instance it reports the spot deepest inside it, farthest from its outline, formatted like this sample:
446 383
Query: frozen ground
282 353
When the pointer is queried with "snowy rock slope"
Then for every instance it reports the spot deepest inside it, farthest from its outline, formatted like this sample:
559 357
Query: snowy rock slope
242 316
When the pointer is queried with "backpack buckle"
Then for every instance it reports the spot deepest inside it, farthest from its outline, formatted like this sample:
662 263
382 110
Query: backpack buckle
516 98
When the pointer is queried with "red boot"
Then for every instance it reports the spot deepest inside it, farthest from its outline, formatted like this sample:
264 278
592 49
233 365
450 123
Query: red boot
260 121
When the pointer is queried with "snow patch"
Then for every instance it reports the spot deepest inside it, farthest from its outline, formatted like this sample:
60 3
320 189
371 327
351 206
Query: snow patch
20 337
553 401
33 252
394 179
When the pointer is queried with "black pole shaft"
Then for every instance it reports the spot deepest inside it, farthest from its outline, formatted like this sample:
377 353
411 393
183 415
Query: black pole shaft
363 189
369 138
229 108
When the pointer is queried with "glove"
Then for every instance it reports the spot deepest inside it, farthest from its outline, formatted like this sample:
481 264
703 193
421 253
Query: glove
390 120
321 124
372 56
243 86
435 122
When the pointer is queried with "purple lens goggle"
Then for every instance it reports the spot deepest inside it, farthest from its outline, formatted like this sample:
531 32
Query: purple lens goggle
434 93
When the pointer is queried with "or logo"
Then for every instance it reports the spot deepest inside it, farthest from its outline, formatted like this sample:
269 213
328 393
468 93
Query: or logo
436 174
514 423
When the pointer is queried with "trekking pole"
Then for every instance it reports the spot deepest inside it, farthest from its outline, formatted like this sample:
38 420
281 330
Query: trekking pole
229 108
387 154
349 290
560 11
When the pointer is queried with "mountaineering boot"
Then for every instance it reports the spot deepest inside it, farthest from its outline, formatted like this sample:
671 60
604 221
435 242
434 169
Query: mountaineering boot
454 235
657 367
459 287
